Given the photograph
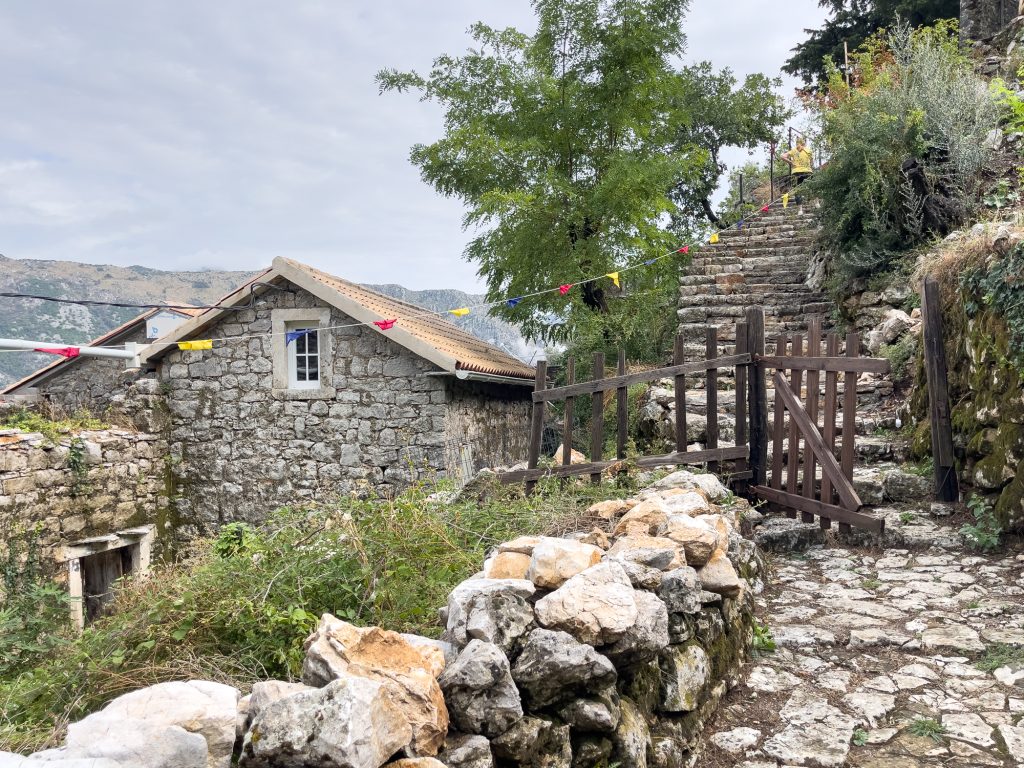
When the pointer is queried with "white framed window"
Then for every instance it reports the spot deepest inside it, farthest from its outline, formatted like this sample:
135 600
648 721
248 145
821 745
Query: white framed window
303 350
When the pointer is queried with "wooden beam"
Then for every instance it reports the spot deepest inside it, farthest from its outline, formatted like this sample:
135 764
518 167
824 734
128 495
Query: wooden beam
757 396
848 451
840 364
796 385
946 483
780 415
690 457
570 402
813 380
624 380
678 358
597 418
537 423
847 495
815 507
621 408
829 434
741 407
711 394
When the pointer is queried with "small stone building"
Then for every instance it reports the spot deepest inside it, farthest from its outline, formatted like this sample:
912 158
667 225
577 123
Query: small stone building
301 397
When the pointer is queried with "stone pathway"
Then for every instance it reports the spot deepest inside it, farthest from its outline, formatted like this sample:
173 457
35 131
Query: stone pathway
877 663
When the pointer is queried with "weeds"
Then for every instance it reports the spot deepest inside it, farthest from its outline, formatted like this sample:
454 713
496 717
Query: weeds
1000 655
763 640
52 428
860 737
927 727
984 533
871 584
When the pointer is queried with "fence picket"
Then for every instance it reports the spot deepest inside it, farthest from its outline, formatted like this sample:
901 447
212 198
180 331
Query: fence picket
813 350
711 393
597 418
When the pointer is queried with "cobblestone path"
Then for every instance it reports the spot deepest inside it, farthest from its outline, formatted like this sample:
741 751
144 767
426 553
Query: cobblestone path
889 658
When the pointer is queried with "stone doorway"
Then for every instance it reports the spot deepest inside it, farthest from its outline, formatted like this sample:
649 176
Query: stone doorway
95 565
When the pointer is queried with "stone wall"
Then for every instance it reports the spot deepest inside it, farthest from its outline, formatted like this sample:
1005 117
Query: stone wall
241 446
612 647
89 484
981 19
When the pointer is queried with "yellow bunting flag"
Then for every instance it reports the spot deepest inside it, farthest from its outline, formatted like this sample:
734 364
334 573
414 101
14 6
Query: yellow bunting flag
714 238
785 200
460 312
192 345
615 278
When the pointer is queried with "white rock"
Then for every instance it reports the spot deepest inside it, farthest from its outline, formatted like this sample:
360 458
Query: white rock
138 743
689 503
685 672
736 741
719 576
969 727
956 637
596 607
555 561
698 538
873 707
770 679
1013 737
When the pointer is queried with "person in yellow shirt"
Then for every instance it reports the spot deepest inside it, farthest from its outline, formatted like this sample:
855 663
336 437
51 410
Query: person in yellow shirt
801 161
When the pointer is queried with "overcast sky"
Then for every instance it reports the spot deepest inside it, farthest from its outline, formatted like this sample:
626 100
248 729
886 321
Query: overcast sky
195 134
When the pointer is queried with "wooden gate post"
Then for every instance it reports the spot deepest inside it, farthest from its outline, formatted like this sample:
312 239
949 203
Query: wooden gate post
757 394
537 424
946 485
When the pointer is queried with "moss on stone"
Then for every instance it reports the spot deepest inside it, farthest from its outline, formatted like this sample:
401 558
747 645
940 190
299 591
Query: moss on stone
921 441
1010 506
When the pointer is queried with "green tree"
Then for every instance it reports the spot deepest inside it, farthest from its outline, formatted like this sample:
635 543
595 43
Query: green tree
853 22
756 192
569 148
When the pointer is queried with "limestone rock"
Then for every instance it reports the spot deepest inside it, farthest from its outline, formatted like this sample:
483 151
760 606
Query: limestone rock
521 545
463 750
680 591
596 607
611 509
685 672
338 649
631 737
652 551
101 737
201 707
352 722
12 760
507 565
598 714
575 457
719 576
478 687
534 742
554 667
555 561
816 733
598 538
688 503
904 486
648 635
698 538
952 637
501 602
416 762
1013 738
642 576
708 483
736 741
646 518
266 692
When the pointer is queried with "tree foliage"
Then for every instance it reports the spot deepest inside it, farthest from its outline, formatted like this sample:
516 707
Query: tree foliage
906 146
853 22
573 148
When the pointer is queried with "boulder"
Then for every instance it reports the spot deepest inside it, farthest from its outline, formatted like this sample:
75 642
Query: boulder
521 545
266 692
478 687
201 707
596 607
555 561
895 323
338 649
464 750
719 576
111 737
352 722
652 551
687 503
905 486
496 598
597 714
647 636
642 576
708 483
554 667
611 509
11 760
416 762
575 457
436 653
631 737
698 537
591 750
685 672
597 537
507 565
646 518
680 591
536 743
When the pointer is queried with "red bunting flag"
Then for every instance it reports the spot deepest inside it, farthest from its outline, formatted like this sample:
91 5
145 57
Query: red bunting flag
62 351
385 325
564 289
684 249
763 210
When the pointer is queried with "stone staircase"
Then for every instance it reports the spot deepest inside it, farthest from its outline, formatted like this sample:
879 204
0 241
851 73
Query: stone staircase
765 264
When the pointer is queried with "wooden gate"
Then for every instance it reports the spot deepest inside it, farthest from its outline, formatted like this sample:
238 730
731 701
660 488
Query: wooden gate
794 484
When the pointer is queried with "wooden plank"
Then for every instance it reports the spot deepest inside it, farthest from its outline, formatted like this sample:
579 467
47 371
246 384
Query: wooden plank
829 435
597 418
815 507
711 394
623 380
813 348
796 377
780 414
758 396
727 453
678 358
848 497
840 364
570 378
537 422
622 408
946 483
741 408
849 417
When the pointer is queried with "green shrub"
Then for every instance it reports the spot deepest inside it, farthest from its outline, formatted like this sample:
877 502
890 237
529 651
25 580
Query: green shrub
997 285
906 146
53 428
900 355
985 531
239 607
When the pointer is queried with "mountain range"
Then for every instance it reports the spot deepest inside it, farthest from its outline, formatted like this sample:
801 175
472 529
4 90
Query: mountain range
76 324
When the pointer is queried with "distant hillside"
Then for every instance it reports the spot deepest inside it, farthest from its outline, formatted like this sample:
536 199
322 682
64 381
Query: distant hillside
47 321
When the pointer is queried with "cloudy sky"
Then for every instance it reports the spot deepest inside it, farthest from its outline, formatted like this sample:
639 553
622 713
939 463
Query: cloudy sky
190 134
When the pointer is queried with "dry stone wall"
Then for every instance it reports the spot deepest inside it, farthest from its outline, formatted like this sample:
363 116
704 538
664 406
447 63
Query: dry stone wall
87 484
612 646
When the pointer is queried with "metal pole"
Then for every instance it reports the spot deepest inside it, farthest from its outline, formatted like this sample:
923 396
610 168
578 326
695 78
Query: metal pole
129 353
741 189
771 172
